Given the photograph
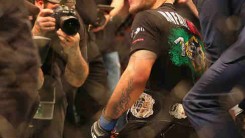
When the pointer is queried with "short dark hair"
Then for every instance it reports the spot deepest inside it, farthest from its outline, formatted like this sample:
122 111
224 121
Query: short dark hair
52 1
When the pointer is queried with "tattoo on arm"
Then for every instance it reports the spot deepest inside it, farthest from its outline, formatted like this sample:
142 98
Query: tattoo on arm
124 101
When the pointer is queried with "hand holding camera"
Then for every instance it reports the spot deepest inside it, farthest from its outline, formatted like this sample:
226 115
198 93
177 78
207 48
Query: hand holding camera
103 17
44 23
63 20
66 19
70 43
61 17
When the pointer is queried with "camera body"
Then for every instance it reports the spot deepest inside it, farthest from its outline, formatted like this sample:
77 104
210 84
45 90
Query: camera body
100 20
102 9
66 19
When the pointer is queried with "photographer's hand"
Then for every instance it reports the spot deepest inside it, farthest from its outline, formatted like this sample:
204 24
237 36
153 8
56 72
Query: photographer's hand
44 23
76 70
107 19
69 43
117 6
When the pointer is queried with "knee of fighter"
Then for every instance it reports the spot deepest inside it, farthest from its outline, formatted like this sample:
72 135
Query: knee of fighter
186 102
190 104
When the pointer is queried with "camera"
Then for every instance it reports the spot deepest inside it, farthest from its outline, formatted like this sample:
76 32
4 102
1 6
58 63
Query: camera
102 9
66 19
100 20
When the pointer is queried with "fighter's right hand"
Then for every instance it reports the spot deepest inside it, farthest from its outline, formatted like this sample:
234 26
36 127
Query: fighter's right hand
44 23
98 132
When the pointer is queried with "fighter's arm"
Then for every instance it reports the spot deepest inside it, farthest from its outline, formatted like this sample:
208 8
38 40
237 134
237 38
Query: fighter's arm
144 51
131 84
191 5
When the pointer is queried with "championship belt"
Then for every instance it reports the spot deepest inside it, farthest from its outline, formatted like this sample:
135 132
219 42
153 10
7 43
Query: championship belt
154 114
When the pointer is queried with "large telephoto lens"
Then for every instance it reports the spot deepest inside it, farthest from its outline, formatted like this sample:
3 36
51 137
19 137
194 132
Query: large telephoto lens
69 24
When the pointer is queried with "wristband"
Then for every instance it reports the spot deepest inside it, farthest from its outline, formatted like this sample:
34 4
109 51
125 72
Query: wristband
107 125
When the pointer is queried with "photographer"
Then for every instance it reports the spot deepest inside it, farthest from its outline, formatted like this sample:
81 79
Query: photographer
94 91
65 68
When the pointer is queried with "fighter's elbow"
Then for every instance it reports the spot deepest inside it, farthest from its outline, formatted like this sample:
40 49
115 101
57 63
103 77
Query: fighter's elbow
140 78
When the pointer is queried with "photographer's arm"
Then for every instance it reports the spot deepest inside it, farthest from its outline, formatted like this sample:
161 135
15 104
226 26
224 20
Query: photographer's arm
118 5
76 70
42 25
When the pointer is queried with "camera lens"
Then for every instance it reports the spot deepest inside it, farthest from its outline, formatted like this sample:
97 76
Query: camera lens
69 24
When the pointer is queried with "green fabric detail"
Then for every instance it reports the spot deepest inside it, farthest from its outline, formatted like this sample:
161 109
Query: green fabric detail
175 51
